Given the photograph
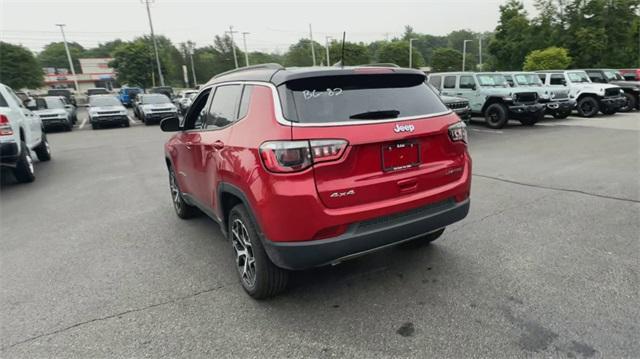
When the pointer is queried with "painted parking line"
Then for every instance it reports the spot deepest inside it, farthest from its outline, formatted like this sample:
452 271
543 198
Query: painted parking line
133 122
84 122
488 131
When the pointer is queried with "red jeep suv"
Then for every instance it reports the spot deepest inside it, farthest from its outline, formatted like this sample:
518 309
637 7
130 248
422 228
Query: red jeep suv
304 167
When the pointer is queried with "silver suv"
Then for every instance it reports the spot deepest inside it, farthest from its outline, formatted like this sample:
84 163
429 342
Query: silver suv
489 95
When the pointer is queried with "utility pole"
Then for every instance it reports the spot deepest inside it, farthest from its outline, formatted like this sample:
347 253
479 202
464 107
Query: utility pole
464 53
155 43
480 53
246 54
411 52
193 69
66 48
233 45
313 51
326 43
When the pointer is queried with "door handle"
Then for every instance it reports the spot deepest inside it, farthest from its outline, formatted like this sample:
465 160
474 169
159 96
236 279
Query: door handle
218 145
459 94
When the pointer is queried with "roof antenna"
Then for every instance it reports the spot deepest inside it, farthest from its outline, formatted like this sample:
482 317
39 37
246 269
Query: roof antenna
344 34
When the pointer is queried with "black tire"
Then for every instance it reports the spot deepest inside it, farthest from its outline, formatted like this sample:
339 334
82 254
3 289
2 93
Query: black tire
267 279
422 241
43 151
24 170
69 127
561 115
496 115
94 126
632 103
182 208
588 106
126 124
609 110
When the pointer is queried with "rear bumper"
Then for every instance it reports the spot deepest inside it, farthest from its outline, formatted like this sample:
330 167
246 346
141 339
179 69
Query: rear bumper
560 106
367 236
9 153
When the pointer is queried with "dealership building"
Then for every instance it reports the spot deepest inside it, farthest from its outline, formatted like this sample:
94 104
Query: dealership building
94 72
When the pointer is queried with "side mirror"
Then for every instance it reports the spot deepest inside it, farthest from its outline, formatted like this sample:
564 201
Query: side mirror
170 124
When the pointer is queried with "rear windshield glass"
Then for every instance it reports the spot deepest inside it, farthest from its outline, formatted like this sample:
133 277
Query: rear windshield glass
358 98
104 101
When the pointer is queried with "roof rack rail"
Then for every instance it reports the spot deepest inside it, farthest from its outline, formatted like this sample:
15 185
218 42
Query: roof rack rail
381 64
272 66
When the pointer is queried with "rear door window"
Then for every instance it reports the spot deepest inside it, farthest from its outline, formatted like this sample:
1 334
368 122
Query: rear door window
358 98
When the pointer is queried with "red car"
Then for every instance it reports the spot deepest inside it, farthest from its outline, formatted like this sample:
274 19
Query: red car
307 167
631 74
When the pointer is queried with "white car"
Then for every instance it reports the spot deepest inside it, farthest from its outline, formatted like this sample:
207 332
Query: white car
591 98
107 110
155 107
53 112
20 134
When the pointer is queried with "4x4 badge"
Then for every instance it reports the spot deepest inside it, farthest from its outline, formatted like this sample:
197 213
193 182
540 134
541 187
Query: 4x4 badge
404 128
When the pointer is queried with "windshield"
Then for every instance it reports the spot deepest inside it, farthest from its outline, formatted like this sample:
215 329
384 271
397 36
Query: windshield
492 80
527 80
155 99
44 103
613 75
358 98
578 77
104 101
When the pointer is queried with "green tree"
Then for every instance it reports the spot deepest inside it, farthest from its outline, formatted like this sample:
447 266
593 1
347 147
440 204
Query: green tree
54 55
18 67
551 58
103 50
134 63
257 57
512 37
354 53
397 52
456 40
446 59
299 54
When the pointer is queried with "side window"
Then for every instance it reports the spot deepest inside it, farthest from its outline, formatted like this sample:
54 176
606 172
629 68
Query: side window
557 79
450 82
467 82
436 81
596 77
244 101
224 106
543 78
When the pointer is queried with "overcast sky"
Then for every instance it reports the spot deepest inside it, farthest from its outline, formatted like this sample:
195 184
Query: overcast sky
273 26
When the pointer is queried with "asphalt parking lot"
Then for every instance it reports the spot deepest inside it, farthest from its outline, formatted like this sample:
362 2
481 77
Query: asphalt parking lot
94 263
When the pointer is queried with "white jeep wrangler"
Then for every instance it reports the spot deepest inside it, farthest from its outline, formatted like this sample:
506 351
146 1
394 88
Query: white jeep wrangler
591 98
20 133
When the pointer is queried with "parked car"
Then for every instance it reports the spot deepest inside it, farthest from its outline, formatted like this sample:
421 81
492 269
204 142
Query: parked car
165 90
183 101
53 113
631 88
558 101
98 91
307 167
107 110
71 110
490 96
630 74
20 133
590 97
458 105
128 94
154 107
66 93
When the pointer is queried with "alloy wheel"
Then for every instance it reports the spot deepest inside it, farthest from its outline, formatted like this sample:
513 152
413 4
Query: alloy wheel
29 162
175 191
245 260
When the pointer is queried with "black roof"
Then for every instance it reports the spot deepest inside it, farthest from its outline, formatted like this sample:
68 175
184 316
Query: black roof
278 74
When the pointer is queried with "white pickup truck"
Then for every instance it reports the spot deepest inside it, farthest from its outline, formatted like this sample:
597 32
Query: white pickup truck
20 134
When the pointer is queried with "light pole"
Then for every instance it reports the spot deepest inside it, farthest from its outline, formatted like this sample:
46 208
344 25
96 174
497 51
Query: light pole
246 54
193 69
480 53
233 45
326 44
313 51
464 53
411 52
66 48
155 44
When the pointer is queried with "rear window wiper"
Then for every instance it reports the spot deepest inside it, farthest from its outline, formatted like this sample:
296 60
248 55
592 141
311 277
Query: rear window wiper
375 115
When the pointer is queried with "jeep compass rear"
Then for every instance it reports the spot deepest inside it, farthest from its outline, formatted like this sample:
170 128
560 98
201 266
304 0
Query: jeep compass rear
313 166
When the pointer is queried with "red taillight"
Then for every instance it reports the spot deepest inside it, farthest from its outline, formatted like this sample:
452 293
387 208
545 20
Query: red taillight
295 156
5 127
458 132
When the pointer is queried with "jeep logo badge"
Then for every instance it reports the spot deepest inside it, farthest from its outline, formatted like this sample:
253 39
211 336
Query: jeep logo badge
404 128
